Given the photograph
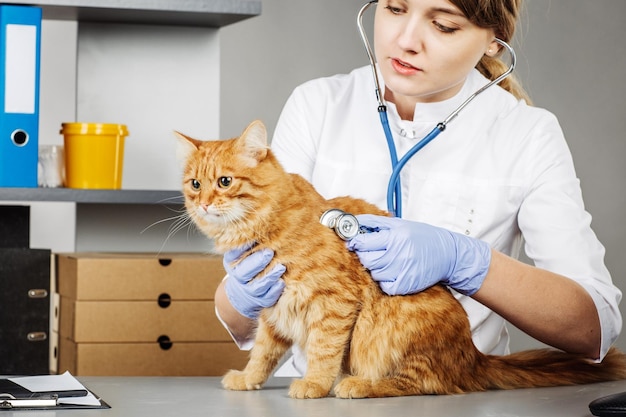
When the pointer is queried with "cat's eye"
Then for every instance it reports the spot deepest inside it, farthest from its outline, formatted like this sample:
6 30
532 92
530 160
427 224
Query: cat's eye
195 184
224 182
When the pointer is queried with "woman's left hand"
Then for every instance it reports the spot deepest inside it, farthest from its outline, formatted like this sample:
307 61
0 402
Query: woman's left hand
407 257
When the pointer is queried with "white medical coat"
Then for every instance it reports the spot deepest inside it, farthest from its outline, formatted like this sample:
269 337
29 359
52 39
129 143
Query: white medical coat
500 172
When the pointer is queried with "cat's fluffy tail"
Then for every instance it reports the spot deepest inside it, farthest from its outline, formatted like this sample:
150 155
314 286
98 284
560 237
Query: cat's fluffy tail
548 367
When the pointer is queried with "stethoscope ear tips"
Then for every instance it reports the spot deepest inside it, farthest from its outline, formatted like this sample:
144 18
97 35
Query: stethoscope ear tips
345 225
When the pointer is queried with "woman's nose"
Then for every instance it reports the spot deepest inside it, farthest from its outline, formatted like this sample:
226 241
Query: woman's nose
410 36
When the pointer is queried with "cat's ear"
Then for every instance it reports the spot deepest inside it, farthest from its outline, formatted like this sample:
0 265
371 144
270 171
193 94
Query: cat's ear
254 141
186 146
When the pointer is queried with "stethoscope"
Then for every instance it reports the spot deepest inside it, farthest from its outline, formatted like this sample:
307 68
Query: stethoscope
394 192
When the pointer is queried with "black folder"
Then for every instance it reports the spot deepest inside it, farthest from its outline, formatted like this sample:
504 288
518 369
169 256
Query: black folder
24 311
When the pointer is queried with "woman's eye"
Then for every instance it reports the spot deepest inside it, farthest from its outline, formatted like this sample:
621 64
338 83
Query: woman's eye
195 184
394 10
444 28
224 182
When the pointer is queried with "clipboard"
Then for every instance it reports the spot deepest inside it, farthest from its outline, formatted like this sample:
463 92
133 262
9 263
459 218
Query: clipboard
38 401
47 402
14 397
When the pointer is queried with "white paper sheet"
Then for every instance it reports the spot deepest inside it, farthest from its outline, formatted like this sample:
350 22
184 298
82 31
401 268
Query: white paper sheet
64 382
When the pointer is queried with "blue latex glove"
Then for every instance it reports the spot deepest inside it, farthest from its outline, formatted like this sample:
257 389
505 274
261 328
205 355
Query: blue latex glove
248 295
407 257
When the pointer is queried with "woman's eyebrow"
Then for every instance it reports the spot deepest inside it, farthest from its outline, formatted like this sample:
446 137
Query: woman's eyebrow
447 10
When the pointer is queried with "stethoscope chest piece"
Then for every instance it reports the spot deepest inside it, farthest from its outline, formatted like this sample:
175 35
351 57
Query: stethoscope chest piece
345 225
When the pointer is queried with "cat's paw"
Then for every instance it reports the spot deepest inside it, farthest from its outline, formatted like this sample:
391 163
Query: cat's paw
301 388
353 387
239 381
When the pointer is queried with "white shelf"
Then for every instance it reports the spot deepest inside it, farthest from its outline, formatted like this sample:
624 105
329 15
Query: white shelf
147 34
205 13
82 196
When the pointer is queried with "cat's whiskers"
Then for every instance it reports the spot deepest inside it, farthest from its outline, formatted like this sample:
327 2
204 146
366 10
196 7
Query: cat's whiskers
237 220
176 199
236 227
181 212
178 223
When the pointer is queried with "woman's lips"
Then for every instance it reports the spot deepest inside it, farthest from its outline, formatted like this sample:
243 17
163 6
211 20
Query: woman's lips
403 68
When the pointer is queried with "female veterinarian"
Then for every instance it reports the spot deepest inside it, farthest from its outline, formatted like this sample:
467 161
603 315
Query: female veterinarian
498 176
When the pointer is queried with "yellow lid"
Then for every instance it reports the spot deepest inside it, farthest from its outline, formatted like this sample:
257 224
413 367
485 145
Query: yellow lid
93 129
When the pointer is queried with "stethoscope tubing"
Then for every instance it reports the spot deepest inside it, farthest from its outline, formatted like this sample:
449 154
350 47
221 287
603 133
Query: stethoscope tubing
394 194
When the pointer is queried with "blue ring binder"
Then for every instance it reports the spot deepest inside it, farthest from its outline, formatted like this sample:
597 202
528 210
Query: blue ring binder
20 41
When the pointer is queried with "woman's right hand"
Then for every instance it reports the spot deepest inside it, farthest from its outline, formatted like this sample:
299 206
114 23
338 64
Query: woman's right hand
248 294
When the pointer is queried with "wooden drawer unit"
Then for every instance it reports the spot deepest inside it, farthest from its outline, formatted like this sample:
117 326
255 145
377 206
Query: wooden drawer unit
142 314
131 359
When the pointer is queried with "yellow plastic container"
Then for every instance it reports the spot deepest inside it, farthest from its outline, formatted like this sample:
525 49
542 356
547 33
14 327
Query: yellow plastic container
94 155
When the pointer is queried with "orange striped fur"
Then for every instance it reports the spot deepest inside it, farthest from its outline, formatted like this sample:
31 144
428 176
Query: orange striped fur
357 339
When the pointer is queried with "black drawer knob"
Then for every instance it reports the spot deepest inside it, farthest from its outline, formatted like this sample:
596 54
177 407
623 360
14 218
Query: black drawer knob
164 342
164 300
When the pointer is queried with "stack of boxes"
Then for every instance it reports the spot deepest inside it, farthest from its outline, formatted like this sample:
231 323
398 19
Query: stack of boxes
142 314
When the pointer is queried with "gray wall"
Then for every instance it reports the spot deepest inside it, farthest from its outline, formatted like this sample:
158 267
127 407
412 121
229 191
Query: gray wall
572 60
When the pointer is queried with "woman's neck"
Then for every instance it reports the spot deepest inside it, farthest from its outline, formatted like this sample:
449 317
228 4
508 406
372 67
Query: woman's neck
404 105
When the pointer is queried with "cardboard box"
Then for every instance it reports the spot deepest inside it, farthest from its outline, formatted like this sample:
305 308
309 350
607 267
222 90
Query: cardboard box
149 359
120 276
54 352
142 314
140 321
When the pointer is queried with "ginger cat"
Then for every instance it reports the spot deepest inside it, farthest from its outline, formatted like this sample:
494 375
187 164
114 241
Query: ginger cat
356 338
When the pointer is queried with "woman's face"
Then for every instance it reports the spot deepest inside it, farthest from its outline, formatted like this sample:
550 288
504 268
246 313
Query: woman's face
426 48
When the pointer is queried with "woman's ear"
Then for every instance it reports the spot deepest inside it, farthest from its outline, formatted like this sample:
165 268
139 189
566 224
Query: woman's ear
493 49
